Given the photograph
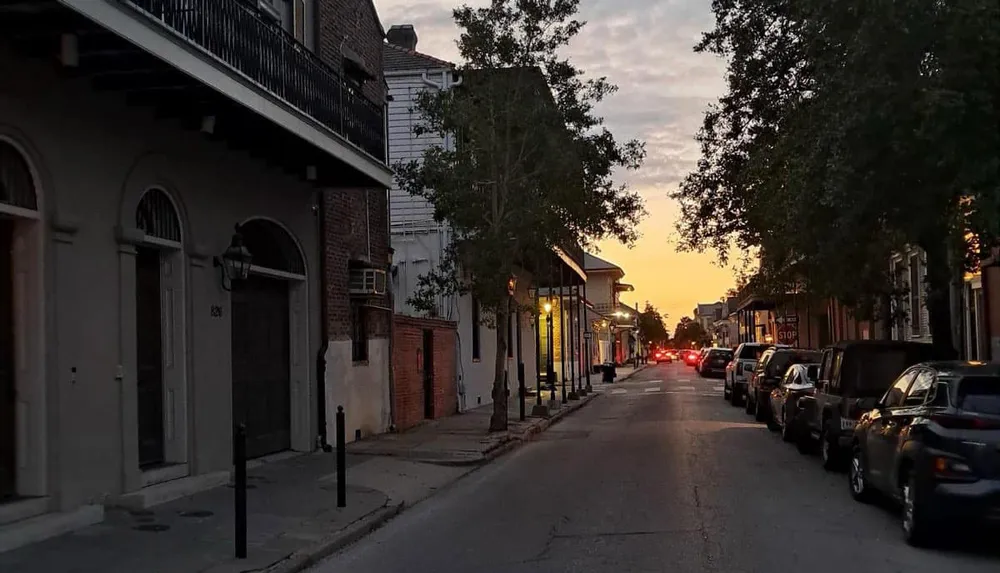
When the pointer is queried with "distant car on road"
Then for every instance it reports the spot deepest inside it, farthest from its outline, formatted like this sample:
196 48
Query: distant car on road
713 365
660 356
691 357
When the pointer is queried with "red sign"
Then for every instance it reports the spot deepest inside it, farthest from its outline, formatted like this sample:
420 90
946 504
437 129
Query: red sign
786 333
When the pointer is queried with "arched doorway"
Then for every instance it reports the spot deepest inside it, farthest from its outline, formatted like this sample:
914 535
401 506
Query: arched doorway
18 275
159 371
262 337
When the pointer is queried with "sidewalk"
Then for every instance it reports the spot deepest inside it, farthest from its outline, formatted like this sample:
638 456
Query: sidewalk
464 439
293 520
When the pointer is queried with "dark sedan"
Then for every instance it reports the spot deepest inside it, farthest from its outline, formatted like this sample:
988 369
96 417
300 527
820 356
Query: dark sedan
799 381
933 443
713 364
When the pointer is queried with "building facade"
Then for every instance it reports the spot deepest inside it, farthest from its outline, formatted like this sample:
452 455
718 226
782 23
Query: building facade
144 152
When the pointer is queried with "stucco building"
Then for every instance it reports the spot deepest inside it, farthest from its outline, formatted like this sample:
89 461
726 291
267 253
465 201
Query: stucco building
145 148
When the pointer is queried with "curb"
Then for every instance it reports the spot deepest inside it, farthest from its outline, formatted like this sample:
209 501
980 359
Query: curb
632 373
309 556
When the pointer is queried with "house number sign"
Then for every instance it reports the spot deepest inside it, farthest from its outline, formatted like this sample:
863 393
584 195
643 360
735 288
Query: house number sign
216 311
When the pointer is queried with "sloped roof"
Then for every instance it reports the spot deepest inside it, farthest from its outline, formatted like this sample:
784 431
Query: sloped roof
595 263
398 59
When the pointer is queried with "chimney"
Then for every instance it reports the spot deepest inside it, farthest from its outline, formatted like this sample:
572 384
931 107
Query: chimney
403 36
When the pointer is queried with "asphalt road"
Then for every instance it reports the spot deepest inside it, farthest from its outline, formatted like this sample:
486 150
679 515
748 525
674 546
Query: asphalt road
658 474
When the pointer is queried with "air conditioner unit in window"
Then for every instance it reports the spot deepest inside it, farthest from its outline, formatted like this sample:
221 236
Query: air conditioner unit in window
366 282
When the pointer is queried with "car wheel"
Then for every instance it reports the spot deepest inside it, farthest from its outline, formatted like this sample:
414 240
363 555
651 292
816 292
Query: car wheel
734 395
804 442
725 390
829 450
787 431
759 409
918 528
856 477
772 421
747 405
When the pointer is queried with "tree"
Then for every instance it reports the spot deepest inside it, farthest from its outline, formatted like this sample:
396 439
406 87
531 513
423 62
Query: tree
651 327
690 333
850 129
533 165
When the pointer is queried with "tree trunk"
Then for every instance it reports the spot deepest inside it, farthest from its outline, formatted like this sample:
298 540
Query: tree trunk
498 421
938 297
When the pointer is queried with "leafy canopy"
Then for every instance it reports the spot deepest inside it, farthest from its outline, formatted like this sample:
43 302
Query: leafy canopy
651 327
848 130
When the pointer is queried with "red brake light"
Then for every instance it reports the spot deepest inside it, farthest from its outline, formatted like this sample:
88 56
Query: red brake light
965 422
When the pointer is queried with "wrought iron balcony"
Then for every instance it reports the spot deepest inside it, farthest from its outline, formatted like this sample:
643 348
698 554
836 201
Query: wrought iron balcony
235 33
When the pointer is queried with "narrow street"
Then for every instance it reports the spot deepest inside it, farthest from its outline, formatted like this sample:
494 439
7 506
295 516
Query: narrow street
659 474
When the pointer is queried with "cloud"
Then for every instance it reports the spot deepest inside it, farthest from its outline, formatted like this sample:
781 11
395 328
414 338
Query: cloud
645 47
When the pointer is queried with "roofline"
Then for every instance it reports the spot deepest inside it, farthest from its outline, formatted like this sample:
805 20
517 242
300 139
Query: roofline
415 71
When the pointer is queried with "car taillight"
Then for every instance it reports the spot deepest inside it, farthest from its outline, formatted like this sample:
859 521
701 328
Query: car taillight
964 422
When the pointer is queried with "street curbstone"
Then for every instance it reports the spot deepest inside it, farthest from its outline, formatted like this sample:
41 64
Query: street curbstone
313 554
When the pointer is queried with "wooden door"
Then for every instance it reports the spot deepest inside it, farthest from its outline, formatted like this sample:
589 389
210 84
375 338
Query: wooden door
149 357
8 389
261 363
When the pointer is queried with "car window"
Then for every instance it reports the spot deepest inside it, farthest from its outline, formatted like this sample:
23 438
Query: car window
979 394
939 395
751 351
921 387
836 361
894 397
789 377
812 372
824 371
763 360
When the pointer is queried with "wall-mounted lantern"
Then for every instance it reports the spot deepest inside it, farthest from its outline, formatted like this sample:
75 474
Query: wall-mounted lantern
234 262
511 285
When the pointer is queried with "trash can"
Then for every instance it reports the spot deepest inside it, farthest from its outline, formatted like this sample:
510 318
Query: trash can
608 373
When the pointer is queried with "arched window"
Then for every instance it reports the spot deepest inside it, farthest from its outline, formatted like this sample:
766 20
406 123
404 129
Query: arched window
17 188
272 247
157 217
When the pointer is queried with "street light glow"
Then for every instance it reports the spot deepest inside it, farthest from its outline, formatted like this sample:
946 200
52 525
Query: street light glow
547 307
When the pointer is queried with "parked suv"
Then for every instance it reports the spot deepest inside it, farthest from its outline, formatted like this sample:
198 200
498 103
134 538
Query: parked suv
768 373
740 369
853 375
933 443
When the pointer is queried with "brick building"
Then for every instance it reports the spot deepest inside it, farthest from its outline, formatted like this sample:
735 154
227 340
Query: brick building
423 358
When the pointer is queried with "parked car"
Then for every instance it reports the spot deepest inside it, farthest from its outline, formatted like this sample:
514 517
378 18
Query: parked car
769 371
853 375
713 365
740 369
701 358
799 381
933 443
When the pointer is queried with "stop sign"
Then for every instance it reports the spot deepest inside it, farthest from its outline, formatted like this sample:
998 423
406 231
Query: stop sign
786 333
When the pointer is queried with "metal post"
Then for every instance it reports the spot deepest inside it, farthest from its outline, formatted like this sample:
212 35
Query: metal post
537 318
550 367
240 489
589 339
638 342
520 367
573 341
341 459
562 337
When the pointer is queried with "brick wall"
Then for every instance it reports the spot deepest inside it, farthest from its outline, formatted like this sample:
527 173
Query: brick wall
347 236
354 23
408 369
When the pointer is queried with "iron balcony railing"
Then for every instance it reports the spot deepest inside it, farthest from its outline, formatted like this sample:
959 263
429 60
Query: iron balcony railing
235 32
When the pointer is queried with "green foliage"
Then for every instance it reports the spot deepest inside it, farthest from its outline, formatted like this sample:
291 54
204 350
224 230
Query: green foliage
651 327
690 331
533 167
848 130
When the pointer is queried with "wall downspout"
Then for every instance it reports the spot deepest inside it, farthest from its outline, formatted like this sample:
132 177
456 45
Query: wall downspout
390 292
324 331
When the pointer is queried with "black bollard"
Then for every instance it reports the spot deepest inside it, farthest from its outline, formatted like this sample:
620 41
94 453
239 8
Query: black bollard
341 459
240 488
521 390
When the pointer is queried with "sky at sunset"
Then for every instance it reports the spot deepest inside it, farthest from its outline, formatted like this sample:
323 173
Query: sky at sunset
643 46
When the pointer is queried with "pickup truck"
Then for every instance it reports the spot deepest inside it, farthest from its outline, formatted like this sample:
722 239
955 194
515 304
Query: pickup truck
738 371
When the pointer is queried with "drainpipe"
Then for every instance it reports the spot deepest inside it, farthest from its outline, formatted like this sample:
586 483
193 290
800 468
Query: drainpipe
324 331
392 319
